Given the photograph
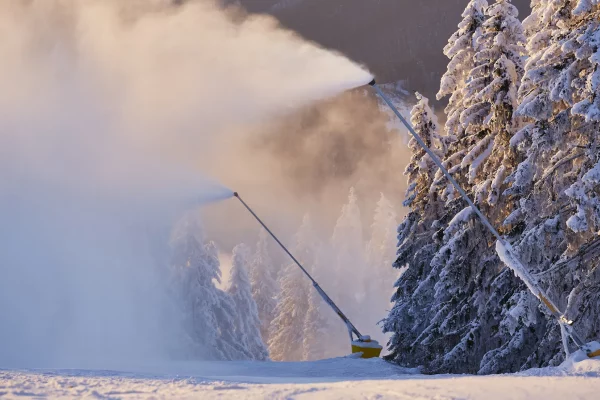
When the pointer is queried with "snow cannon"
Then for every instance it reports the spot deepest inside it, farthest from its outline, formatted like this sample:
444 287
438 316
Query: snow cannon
593 350
503 248
368 347
360 344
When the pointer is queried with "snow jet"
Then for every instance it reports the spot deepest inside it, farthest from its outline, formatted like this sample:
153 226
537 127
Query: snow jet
105 109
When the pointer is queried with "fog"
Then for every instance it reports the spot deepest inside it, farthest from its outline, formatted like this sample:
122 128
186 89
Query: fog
115 117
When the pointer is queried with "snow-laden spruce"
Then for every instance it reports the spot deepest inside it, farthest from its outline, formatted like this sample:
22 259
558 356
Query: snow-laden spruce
466 264
286 342
319 318
209 314
247 324
421 169
263 277
490 100
381 252
350 260
417 243
556 225
460 49
356 274
287 328
457 307
379 277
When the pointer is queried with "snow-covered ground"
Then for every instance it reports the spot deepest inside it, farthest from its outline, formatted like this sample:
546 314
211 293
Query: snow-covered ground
342 378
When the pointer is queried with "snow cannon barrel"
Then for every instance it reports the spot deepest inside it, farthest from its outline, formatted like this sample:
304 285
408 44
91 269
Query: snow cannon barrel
364 345
368 347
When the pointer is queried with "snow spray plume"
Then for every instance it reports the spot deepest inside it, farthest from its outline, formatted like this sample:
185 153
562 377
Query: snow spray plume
106 107
306 162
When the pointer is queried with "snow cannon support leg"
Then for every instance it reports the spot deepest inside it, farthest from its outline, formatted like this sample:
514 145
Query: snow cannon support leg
369 348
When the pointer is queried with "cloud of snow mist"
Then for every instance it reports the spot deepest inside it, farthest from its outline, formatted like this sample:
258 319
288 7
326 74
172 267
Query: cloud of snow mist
305 163
107 110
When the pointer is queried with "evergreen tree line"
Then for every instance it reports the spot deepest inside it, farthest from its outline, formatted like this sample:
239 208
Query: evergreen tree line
296 323
272 311
216 324
521 136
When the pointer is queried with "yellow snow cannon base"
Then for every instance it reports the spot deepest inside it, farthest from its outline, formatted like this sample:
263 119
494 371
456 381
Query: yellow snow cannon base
369 348
593 349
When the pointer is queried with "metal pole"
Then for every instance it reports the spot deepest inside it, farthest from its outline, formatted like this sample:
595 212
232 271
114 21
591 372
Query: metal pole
351 328
531 281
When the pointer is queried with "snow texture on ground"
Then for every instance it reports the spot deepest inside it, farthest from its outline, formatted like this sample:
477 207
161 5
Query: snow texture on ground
342 378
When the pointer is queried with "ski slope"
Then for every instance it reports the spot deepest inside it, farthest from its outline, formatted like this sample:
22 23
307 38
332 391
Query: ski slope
342 378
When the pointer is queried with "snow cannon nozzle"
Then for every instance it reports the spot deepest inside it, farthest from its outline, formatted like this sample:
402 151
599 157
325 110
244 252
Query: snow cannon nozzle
372 83
235 194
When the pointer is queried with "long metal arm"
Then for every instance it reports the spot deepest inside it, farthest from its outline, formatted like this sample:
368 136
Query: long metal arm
527 276
351 328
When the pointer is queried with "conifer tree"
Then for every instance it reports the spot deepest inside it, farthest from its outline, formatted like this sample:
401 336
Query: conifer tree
421 168
263 278
460 49
555 226
381 249
287 328
317 323
466 266
443 317
350 265
490 101
380 255
247 324
209 313
417 242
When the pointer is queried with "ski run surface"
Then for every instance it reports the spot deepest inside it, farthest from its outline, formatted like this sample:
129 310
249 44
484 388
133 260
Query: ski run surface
341 378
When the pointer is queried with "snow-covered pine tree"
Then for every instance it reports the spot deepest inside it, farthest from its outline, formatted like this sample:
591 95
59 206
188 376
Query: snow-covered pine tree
421 169
490 100
190 278
454 301
417 243
229 343
381 254
319 316
263 278
555 227
350 265
584 77
207 311
460 49
247 322
287 328
466 265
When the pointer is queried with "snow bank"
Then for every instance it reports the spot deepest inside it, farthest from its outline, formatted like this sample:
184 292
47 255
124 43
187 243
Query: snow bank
581 367
328 370
577 364
375 383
